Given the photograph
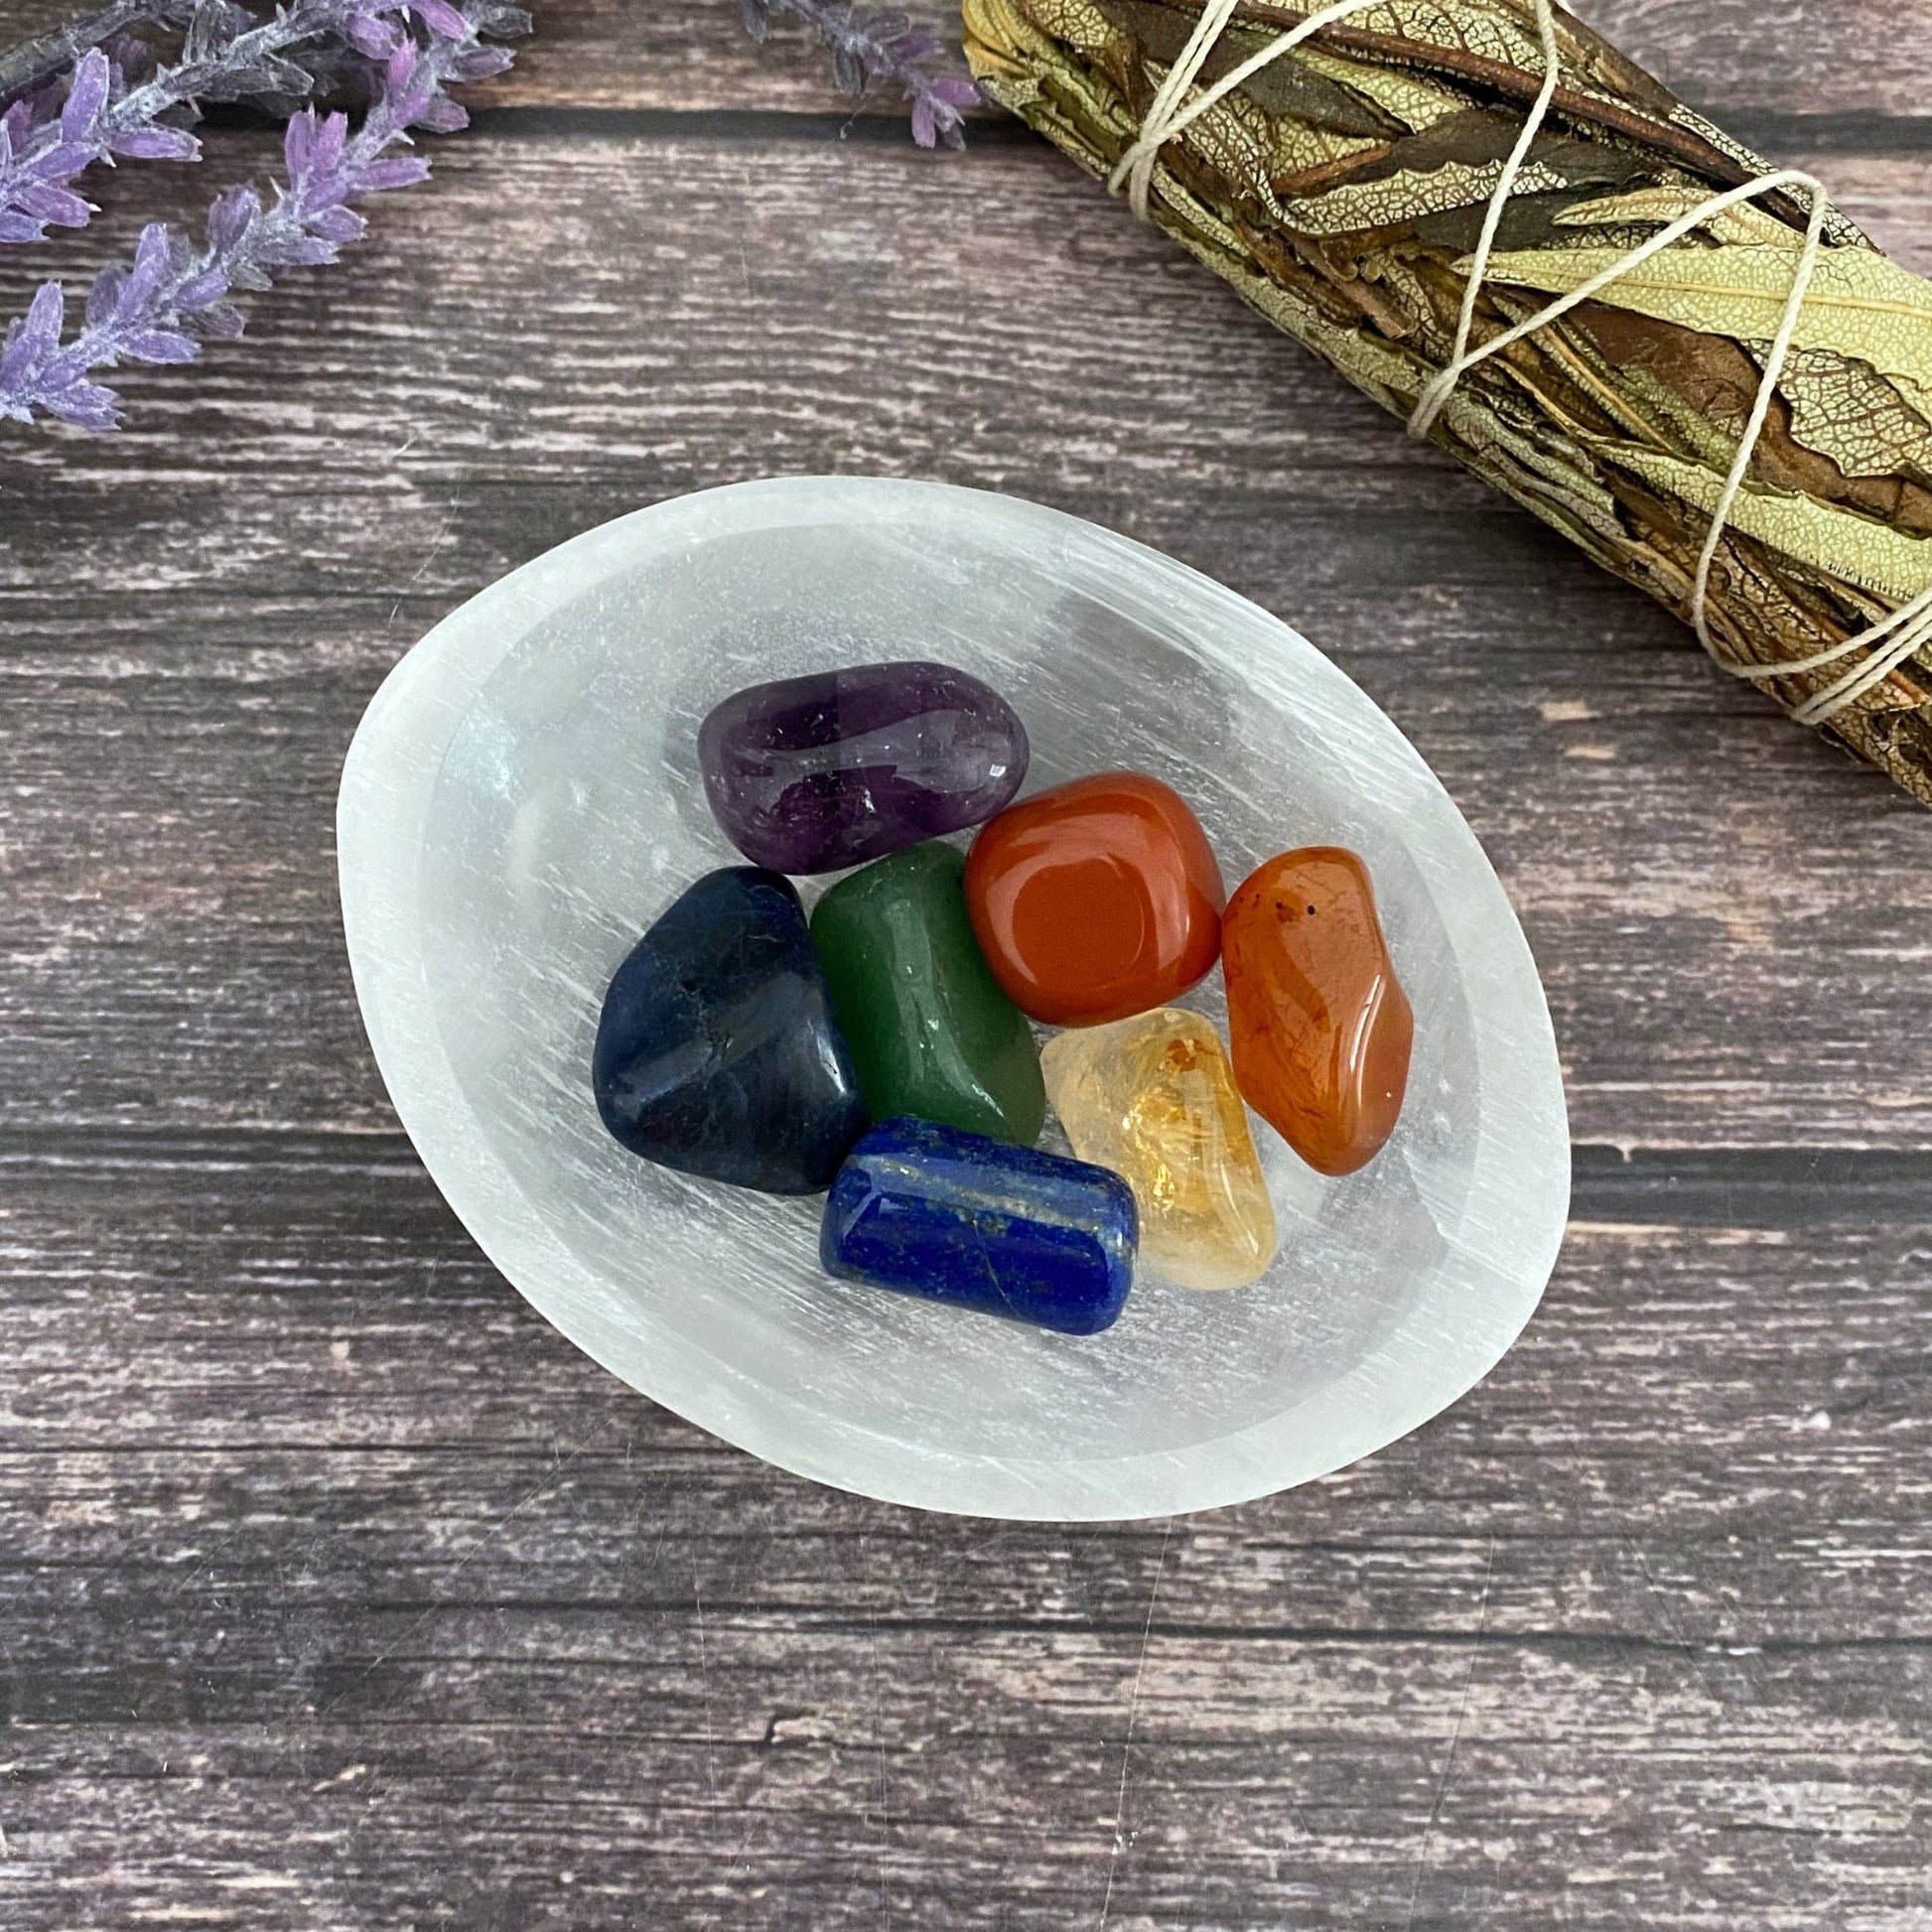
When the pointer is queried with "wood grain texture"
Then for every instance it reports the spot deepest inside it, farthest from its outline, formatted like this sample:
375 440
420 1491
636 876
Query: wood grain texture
343 1592
1730 964
1745 58
1752 61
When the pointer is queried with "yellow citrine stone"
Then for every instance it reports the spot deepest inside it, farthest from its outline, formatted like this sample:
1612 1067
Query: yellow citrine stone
1153 1098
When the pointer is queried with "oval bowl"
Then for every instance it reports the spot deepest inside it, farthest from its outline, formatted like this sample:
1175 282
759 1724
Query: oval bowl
521 799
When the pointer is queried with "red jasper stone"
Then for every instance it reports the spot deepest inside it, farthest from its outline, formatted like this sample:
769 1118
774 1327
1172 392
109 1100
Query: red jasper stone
1320 1025
1096 900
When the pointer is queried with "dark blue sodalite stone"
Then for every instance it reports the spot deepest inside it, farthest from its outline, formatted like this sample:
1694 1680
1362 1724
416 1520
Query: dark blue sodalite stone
1008 1230
717 1052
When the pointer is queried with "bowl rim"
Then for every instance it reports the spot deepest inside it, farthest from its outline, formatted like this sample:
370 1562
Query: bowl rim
389 779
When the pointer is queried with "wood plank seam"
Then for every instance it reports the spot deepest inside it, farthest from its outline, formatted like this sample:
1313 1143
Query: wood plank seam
1771 133
1645 1186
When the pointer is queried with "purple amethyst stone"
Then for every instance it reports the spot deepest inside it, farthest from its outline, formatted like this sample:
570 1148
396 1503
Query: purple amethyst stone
815 774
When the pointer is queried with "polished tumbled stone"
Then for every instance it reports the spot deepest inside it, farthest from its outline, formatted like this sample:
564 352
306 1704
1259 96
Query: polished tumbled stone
1153 1098
1321 1027
1098 898
818 772
930 1031
1004 1230
717 1052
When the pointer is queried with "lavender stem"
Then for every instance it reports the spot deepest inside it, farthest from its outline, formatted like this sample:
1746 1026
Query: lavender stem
33 63
156 308
227 56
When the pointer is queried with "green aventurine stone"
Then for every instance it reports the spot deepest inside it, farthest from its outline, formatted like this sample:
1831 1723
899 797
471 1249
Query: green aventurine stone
930 1031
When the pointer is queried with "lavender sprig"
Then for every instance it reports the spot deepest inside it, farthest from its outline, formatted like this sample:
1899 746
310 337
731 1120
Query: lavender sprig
226 56
33 64
867 48
155 308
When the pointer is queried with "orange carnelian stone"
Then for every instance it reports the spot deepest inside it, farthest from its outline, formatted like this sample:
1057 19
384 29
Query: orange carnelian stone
1320 1024
1096 900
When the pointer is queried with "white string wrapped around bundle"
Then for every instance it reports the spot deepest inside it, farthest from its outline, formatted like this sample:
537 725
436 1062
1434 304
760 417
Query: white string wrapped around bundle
1887 643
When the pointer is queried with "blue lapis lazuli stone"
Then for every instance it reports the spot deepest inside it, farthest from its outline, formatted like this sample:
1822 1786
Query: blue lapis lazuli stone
956 1217
717 1052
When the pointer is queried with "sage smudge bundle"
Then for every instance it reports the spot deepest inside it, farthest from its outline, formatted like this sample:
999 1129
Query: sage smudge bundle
1343 187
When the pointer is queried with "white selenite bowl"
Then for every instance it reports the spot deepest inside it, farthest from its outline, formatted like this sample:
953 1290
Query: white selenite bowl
522 799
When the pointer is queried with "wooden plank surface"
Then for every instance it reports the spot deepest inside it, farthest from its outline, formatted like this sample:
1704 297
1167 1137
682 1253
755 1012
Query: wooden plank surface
853 314
1747 58
341 1592
1743 57
329 1563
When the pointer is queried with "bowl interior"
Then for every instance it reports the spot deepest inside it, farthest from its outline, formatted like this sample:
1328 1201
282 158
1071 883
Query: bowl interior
532 774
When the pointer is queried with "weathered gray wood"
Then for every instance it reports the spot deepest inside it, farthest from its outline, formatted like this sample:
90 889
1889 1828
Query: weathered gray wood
175 958
1759 58
223 1296
201 605
1756 57
340 1589
1780 57
339 1592
1753 59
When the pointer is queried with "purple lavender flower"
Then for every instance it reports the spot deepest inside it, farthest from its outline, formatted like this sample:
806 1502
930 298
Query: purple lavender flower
867 48
36 162
156 308
227 55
